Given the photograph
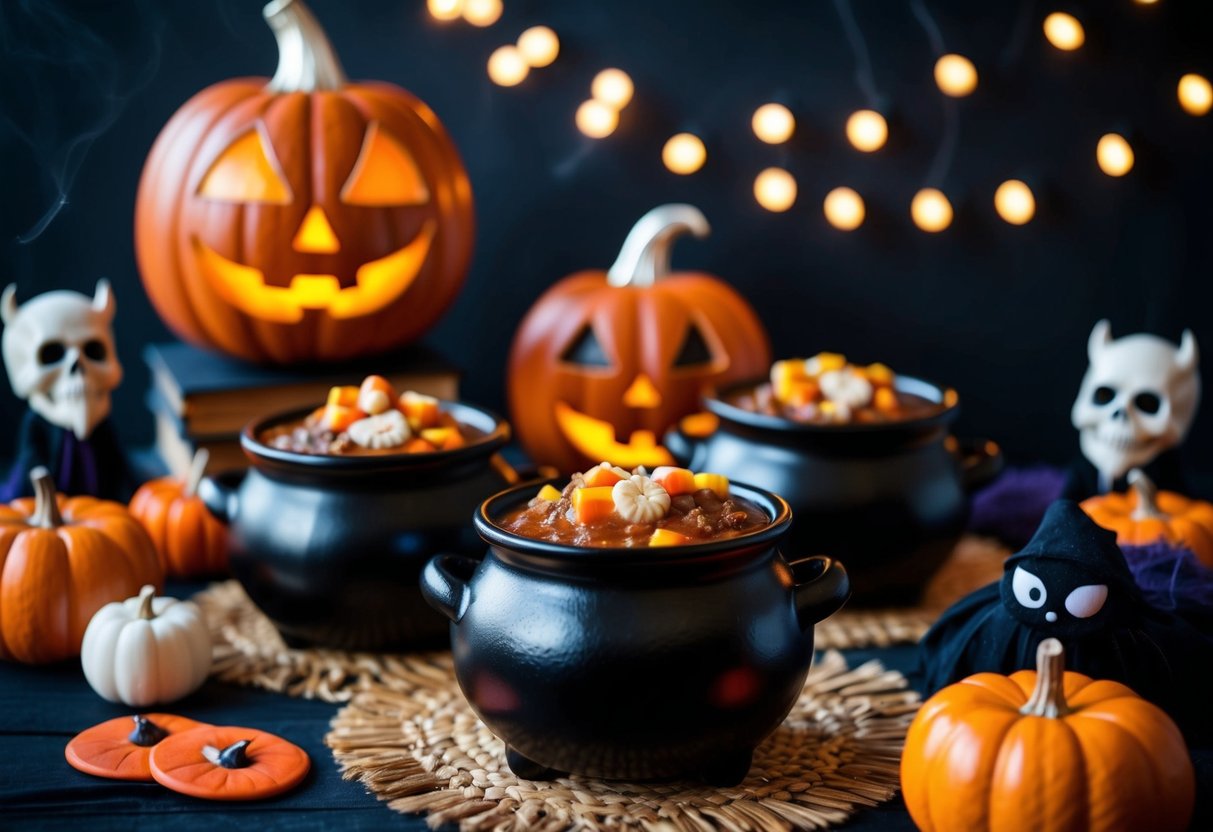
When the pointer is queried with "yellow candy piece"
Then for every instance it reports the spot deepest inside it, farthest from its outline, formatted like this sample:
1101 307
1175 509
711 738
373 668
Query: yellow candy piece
549 492
825 362
590 504
879 374
885 400
717 483
668 537
343 396
785 375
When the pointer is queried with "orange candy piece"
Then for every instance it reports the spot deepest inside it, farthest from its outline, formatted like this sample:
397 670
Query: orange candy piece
590 504
375 395
674 480
549 492
604 474
717 483
228 763
421 410
885 400
668 537
444 439
338 417
108 750
345 396
417 445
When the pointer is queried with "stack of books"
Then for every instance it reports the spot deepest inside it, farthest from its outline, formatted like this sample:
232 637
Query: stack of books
202 399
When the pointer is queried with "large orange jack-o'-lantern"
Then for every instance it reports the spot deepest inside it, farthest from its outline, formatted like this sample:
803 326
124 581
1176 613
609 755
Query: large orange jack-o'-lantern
305 219
606 362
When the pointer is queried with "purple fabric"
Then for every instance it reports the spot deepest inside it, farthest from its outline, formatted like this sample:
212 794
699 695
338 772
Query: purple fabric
1011 507
1172 579
77 477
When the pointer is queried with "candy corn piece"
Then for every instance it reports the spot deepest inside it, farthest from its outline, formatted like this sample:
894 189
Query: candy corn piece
417 445
549 492
786 374
445 439
604 474
590 504
674 480
825 362
802 393
885 399
375 395
668 537
339 417
879 374
346 396
421 410
717 483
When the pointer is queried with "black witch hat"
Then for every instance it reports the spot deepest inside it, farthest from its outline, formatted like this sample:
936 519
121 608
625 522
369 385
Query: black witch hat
1068 534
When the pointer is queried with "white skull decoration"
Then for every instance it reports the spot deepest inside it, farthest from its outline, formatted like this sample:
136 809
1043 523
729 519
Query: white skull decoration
1138 399
59 352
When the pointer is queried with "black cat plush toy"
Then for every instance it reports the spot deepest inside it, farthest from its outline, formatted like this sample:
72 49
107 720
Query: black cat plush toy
1071 582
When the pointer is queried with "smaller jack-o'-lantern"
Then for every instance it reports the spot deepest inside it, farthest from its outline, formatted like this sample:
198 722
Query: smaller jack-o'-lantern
606 362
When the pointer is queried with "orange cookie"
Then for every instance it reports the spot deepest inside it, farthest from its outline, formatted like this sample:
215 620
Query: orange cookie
228 763
119 749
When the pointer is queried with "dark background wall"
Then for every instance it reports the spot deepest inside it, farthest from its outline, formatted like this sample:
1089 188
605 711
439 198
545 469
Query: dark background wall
1001 313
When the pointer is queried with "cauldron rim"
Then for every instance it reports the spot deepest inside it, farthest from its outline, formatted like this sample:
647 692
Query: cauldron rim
549 552
496 433
715 402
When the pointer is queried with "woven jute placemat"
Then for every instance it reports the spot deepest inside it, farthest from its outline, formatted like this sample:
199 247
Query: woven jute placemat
414 742
249 651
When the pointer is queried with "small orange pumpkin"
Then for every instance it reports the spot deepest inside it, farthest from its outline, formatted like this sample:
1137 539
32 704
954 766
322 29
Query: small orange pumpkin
1045 750
61 560
1144 515
120 750
228 763
188 538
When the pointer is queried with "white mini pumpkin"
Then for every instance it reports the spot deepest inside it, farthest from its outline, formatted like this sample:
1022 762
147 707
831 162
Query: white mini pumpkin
146 650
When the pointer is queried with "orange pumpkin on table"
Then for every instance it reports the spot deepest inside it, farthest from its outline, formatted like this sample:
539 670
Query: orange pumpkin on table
120 749
228 763
1143 515
61 560
188 538
606 362
1045 750
304 217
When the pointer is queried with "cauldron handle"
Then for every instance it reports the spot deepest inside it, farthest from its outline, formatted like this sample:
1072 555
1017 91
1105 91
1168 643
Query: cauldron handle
822 587
218 493
444 584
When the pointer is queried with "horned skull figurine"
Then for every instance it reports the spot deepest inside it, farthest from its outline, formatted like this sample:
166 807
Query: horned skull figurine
1137 399
59 351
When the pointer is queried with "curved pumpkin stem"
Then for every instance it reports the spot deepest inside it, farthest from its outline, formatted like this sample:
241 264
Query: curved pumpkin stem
234 756
645 255
146 733
1147 497
306 60
1048 697
197 470
46 501
146 596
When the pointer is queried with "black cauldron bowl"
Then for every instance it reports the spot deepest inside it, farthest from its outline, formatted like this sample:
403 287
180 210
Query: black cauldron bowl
633 664
331 547
890 499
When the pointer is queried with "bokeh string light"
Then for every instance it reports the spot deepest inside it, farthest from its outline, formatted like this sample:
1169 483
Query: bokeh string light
867 130
595 119
1114 154
775 189
1195 94
612 87
445 10
507 66
482 13
955 75
844 209
1064 31
1015 202
931 210
773 123
684 153
539 46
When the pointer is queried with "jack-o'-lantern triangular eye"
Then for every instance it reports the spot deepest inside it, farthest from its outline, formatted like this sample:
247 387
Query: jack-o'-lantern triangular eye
586 351
694 350
246 171
385 173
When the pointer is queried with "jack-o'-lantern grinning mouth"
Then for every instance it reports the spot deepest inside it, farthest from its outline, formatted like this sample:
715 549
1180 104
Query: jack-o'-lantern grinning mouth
378 283
596 439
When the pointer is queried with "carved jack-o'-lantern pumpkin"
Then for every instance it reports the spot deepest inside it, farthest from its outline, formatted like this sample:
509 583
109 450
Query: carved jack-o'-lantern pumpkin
307 218
605 363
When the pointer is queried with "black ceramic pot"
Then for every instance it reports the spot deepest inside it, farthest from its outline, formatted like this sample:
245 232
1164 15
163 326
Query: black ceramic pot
633 663
888 499
330 547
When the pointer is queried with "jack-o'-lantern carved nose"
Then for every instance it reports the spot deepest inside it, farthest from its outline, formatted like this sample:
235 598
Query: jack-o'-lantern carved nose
641 393
315 234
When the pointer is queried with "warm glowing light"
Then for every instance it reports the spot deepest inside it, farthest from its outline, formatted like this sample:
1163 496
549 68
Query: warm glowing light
539 45
444 9
612 87
507 67
482 12
1114 154
1014 202
1145 2
844 209
595 119
931 210
315 234
1195 94
1064 31
775 189
867 130
773 123
684 153
955 75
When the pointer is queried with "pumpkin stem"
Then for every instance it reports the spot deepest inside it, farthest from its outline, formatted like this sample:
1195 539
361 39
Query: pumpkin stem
146 596
1147 497
146 733
234 756
306 60
1048 697
645 255
197 469
46 501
